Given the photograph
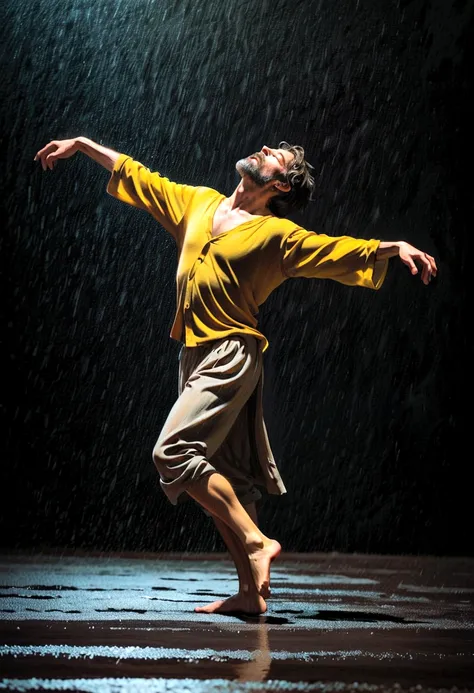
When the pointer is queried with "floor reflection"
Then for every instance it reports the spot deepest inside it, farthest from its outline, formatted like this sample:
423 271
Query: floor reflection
258 666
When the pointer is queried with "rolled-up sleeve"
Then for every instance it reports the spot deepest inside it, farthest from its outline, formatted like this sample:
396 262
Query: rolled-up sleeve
135 184
347 260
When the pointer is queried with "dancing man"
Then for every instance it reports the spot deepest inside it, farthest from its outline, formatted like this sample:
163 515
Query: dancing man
232 253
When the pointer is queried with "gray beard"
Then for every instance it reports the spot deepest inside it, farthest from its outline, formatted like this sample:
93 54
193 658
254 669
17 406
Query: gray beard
251 168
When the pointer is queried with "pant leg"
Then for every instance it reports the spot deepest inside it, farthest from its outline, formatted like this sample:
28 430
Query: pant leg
237 459
216 381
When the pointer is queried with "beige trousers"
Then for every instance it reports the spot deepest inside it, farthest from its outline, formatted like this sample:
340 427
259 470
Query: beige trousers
216 424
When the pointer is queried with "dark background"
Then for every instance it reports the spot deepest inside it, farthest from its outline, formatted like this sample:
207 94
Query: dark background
366 391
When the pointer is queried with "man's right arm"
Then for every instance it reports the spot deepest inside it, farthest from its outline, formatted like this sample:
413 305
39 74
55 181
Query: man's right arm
64 149
130 181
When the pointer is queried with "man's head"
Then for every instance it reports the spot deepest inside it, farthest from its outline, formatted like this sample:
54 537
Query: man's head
285 172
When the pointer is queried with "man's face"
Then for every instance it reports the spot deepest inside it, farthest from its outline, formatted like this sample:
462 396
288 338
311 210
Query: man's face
266 166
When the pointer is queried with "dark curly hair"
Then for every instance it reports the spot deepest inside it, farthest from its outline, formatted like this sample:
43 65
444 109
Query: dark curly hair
302 184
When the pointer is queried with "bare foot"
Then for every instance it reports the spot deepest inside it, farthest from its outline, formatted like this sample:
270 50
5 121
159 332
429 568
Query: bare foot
260 565
241 603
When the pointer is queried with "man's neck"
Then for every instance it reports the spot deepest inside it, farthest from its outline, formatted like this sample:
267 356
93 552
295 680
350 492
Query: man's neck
252 200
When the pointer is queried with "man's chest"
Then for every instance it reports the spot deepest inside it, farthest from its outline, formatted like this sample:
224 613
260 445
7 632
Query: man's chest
223 222
213 240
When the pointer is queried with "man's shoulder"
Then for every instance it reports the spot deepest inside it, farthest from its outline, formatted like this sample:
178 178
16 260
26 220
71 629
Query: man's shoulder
281 226
206 190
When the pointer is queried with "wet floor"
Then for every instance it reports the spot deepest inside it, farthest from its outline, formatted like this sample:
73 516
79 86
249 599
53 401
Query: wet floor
111 624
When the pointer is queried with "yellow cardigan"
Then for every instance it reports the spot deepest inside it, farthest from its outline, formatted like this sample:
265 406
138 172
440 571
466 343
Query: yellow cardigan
222 281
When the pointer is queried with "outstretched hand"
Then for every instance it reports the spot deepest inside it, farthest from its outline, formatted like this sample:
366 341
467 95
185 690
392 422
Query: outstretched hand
412 257
56 149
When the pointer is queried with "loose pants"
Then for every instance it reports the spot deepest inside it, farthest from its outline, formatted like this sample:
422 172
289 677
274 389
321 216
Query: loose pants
216 424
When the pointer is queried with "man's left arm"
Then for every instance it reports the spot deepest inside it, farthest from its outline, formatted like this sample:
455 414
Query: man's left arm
410 256
348 260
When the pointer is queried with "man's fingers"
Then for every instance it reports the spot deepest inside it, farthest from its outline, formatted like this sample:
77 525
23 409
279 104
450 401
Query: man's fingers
44 153
427 264
412 257
411 265
429 268
426 274
432 262
51 160
50 147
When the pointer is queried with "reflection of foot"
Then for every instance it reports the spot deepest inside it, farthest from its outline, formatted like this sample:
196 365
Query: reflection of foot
241 603
260 564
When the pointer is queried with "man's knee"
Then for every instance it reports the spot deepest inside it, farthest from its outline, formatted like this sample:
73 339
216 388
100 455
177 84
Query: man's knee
171 451
159 454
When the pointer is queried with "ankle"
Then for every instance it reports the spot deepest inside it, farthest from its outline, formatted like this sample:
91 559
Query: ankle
254 542
248 590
